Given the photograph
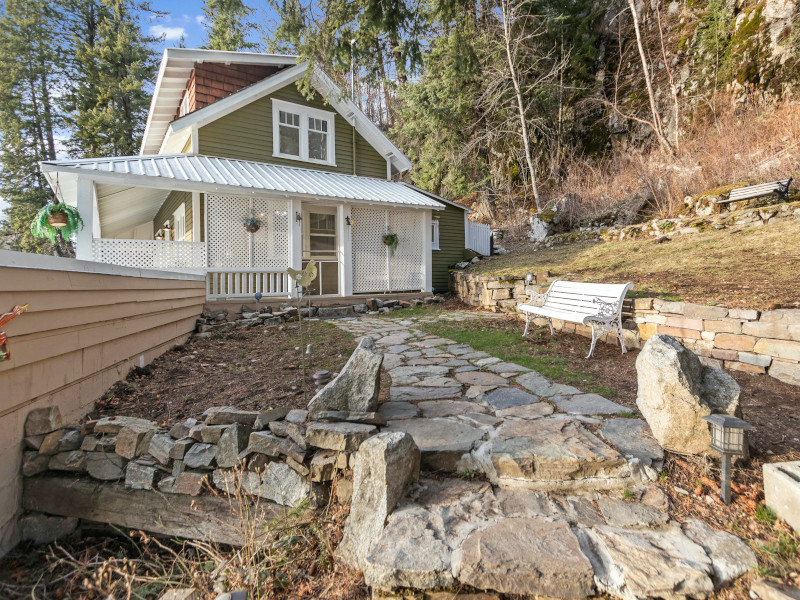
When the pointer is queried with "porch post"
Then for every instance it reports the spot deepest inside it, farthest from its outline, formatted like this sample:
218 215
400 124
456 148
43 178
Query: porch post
345 251
196 217
84 237
427 227
295 240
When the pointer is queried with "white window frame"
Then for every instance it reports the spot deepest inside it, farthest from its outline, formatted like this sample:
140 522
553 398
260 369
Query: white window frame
179 223
305 112
435 236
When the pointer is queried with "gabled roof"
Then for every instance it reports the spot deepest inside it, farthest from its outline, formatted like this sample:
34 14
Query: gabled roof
173 75
439 198
168 134
192 172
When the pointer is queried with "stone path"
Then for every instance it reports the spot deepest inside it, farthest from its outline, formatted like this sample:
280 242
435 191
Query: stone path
551 518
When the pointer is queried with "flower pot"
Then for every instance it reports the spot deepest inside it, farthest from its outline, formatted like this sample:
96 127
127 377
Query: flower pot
58 219
251 228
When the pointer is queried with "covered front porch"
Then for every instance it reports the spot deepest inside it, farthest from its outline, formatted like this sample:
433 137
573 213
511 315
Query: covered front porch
188 212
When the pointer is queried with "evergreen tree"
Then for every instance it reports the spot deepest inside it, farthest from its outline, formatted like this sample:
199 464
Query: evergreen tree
31 60
114 62
227 25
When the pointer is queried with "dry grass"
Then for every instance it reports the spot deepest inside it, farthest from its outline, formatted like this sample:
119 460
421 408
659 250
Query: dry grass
738 142
754 268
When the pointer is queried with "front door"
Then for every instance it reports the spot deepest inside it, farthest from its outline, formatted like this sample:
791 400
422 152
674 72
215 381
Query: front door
321 242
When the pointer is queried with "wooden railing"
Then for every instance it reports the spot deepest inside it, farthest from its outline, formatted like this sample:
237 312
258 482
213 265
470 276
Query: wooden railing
245 283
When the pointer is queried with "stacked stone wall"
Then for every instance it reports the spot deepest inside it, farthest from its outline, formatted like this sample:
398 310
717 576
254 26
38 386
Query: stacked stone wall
735 339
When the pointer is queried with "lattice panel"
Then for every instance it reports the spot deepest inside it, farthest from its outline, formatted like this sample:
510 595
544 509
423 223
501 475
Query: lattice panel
369 251
408 263
228 242
149 254
271 242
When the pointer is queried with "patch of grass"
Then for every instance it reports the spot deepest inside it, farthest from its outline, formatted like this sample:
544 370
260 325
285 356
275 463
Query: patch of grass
510 346
628 495
752 267
627 414
778 557
766 515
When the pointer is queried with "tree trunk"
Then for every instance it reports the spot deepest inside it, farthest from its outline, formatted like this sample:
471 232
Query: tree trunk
657 127
520 103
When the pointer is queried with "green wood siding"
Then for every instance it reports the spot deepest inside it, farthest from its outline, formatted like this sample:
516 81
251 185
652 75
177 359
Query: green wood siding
172 202
451 244
246 134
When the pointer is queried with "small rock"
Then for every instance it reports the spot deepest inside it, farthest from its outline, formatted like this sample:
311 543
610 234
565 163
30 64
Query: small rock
226 415
160 447
231 443
323 466
74 461
345 437
180 448
104 443
105 466
133 440
37 528
181 430
115 424
297 415
264 418
297 466
34 463
189 483
201 456
357 386
766 590
140 477
63 440
208 434
343 416
283 485
43 420
34 442
265 443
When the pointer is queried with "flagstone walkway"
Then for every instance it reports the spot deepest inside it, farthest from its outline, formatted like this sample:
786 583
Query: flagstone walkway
551 518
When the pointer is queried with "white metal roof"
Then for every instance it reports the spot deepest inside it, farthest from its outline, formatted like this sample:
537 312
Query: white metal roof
192 172
173 75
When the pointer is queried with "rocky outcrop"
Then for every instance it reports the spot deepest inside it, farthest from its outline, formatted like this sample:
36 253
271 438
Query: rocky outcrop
676 391
356 388
385 465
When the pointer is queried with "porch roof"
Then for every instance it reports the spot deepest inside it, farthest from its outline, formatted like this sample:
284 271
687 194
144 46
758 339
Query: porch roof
195 172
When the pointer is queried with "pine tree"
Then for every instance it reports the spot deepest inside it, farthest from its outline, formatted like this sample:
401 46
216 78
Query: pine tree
114 62
227 25
31 62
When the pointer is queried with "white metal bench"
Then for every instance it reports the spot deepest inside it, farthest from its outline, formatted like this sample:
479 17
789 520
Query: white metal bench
598 305
781 188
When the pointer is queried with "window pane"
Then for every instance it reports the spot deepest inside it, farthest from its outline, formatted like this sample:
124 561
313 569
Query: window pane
289 141
322 223
322 243
289 118
317 145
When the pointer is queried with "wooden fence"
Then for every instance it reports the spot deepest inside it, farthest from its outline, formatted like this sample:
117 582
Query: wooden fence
479 238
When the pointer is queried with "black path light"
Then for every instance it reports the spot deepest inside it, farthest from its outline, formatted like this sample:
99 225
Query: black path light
729 439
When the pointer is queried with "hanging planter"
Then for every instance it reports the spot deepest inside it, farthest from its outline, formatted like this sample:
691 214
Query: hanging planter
251 224
56 217
392 241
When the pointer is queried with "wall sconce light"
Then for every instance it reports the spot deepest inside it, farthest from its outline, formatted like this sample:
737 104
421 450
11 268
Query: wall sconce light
297 216
728 438
348 220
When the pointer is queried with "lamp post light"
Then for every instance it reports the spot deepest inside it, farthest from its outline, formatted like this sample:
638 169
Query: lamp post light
728 438
528 278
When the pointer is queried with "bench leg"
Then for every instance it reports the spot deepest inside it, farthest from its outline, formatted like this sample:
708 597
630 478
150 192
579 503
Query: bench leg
550 322
621 338
527 324
594 340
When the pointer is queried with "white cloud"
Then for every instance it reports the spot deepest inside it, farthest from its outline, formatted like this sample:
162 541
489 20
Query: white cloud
169 33
200 19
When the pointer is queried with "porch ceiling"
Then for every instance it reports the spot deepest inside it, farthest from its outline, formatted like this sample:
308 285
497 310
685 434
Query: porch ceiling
122 206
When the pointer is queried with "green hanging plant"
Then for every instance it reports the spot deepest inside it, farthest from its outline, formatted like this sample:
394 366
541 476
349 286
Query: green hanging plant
392 241
54 217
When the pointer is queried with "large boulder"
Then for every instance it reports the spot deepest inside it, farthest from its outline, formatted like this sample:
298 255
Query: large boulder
356 388
676 391
385 465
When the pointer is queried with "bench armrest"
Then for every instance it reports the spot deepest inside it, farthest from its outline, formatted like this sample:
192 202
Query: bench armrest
536 299
606 310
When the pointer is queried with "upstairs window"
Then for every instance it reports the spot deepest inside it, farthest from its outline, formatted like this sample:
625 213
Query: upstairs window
303 133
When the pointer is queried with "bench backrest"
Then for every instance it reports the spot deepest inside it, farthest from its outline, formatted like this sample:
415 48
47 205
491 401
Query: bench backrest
754 191
578 297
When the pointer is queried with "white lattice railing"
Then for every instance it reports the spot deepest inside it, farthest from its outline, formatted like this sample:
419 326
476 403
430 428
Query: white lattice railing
150 254
479 238
245 283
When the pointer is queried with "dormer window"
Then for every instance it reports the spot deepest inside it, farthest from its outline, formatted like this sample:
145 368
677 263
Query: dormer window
302 133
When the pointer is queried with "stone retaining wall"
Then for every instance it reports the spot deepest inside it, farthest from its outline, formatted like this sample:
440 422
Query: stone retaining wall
731 338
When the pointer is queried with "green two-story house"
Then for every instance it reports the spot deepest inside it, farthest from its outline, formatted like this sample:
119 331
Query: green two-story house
241 176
